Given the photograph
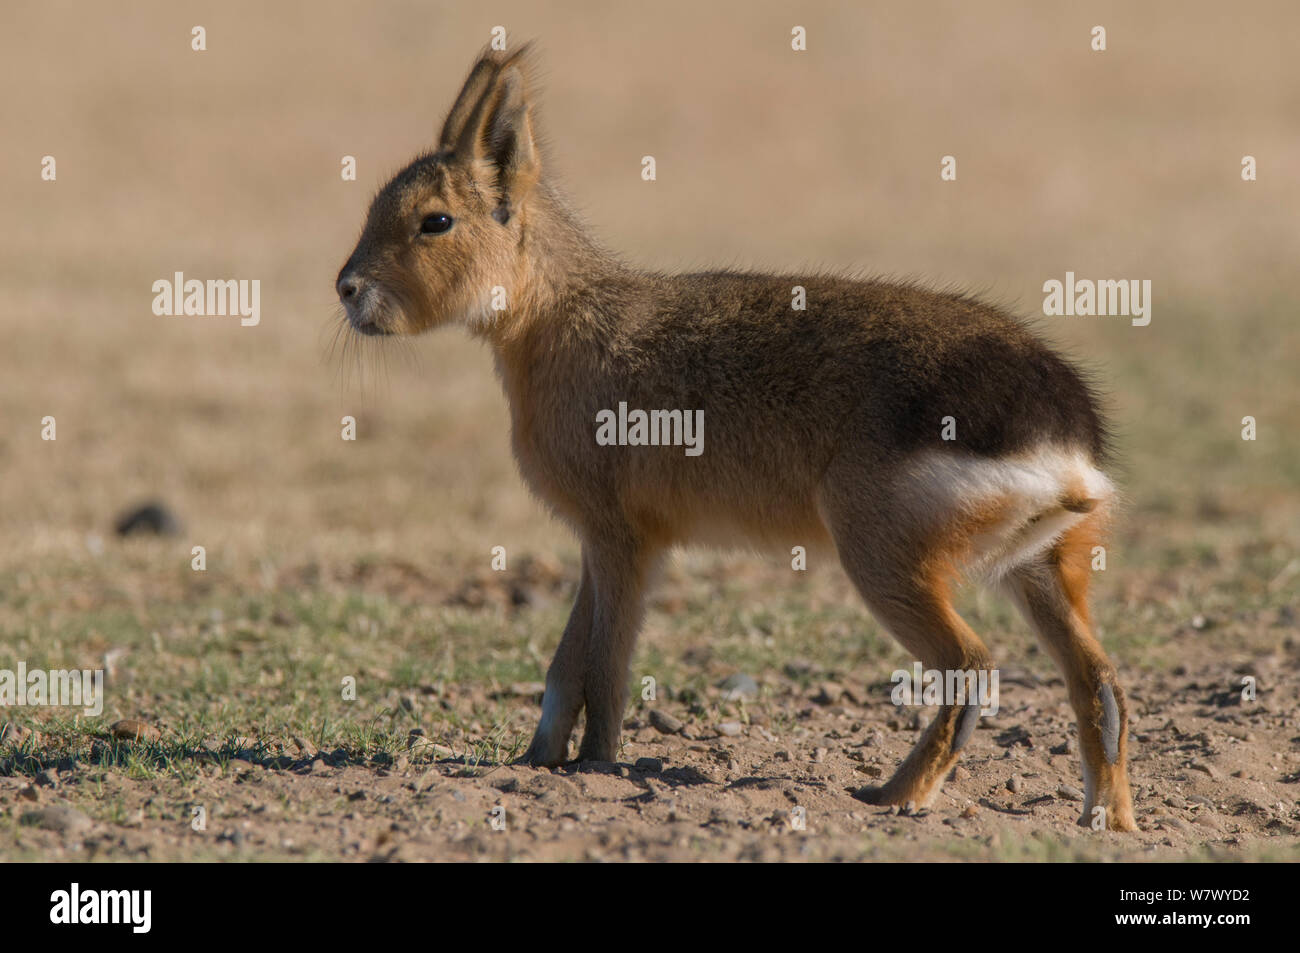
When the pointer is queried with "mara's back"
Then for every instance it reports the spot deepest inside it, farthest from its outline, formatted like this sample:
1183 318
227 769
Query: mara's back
889 360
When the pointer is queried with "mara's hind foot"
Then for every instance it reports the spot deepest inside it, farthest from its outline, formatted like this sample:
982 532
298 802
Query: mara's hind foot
1108 803
920 777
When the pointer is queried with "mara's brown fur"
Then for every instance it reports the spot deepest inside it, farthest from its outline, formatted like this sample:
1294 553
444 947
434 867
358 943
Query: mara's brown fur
917 433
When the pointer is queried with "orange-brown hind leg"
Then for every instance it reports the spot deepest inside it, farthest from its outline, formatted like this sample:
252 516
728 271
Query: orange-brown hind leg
919 615
1052 595
902 567
905 585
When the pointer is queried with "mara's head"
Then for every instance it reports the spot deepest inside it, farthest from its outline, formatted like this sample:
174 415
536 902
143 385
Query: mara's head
450 226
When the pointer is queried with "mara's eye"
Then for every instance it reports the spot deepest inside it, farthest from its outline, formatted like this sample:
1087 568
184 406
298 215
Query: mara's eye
435 224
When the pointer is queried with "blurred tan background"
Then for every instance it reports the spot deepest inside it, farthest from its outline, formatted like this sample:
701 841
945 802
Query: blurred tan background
225 163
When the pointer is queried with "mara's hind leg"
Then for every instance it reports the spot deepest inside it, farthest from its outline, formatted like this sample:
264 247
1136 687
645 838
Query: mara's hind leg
1051 592
905 585
917 612
901 550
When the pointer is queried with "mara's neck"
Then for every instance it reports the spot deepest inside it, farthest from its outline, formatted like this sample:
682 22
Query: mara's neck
568 288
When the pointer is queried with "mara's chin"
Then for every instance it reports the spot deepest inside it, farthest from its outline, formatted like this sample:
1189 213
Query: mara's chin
374 322
370 329
391 322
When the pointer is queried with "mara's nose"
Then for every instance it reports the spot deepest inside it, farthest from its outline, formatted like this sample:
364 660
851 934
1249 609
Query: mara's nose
348 286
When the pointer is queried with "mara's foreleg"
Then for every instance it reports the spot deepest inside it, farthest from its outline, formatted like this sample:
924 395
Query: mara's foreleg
620 565
563 698
590 667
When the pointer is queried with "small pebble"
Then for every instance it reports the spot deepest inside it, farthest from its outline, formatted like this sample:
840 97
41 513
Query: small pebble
61 818
739 686
665 722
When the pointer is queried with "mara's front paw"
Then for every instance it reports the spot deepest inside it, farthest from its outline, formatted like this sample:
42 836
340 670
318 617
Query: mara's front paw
600 749
545 752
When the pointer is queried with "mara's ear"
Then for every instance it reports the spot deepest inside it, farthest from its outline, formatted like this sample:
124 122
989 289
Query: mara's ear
477 86
491 124
507 142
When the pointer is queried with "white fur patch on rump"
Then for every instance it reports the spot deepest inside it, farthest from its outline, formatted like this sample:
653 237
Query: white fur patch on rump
1032 488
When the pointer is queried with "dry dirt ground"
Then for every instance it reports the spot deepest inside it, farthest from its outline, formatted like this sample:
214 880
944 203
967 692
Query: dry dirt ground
717 767
773 782
369 560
